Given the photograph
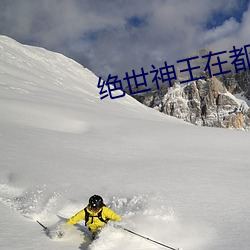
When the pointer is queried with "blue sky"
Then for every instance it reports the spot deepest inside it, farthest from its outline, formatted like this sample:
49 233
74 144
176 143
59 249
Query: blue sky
218 17
116 36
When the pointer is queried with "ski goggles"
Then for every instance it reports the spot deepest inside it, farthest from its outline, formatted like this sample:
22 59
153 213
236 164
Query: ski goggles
94 208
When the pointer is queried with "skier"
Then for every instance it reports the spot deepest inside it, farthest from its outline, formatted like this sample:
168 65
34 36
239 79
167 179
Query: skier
95 214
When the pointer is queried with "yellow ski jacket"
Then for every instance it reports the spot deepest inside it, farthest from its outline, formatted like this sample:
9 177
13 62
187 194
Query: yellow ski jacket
94 223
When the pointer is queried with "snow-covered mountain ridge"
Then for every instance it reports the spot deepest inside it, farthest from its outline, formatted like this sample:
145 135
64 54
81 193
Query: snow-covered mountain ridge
183 185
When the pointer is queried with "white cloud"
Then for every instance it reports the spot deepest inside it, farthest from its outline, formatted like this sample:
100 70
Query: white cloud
244 32
230 33
98 34
226 30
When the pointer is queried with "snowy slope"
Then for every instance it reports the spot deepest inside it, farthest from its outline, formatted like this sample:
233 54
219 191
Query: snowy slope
176 183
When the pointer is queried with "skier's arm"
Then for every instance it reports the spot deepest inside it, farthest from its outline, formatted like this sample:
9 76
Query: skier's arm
77 217
110 214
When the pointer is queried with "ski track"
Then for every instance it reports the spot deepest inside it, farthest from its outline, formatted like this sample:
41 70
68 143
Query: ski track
145 214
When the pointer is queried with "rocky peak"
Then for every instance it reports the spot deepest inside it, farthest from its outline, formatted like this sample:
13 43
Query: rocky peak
202 102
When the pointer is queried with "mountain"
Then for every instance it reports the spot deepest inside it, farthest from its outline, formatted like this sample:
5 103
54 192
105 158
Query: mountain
182 185
208 102
238 83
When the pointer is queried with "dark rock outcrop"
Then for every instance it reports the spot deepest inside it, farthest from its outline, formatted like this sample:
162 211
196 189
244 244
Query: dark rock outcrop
202 102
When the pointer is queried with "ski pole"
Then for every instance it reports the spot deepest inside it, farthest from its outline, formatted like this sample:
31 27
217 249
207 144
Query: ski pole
45 228
146 238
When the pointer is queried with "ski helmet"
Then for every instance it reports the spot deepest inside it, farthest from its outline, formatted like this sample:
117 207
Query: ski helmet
95 202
